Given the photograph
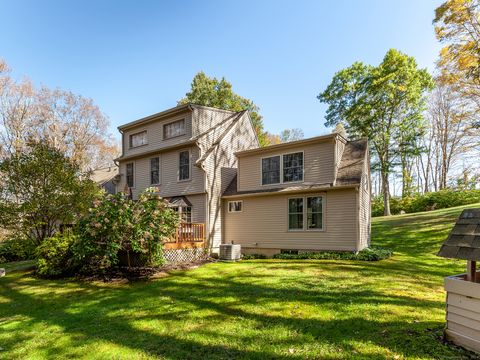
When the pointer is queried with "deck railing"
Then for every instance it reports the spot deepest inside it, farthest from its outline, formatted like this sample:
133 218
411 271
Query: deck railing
189 232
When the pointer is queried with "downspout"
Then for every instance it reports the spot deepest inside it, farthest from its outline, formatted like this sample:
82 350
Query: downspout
357 198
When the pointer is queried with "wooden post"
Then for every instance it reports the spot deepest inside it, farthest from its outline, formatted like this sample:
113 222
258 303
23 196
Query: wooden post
471 270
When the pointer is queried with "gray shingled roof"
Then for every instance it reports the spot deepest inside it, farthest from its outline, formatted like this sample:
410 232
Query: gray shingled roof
463 242
351 165
104 175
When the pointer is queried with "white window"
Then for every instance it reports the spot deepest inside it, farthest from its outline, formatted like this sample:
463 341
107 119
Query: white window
282 168
184 165
154 171
314 213
295 214
305 213
138 139
271 170
174 129
130 175
185 213
235 206
293 167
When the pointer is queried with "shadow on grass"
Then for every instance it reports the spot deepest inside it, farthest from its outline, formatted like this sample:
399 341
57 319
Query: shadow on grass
259 309
93 312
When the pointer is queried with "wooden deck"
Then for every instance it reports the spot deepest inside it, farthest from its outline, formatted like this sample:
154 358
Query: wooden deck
188 236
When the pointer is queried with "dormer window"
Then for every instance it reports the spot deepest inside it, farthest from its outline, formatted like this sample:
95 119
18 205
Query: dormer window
138 139
174 129
293 167
282 169
271 170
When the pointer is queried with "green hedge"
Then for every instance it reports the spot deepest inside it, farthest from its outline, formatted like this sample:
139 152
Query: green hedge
369 254
16 248
430 201
253 256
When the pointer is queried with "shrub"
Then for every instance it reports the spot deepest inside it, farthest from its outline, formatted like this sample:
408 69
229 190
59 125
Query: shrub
116 223
55 255
429 201
253 256
368 254
16 248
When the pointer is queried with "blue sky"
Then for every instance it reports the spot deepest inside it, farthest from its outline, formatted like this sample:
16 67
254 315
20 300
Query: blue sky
135 58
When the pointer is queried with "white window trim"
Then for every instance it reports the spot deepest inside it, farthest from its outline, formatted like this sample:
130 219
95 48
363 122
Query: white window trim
234 201
164 137
130 136
159 170
126 180
189 165
305 213
281 169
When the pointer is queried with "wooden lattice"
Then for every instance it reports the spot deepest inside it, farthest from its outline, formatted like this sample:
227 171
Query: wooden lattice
184 255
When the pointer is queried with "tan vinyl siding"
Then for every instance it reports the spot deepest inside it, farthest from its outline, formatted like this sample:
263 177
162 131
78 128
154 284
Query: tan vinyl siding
208 119
318 165
169 184
263 223
155 135
365 208
199 210
220 168
339 147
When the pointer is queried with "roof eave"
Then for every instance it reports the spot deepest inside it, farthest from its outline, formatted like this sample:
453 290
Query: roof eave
145 120
294 191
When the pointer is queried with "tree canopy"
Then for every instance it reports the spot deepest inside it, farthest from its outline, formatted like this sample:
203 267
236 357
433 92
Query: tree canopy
40 189
385 104
70 122
457 27
217 93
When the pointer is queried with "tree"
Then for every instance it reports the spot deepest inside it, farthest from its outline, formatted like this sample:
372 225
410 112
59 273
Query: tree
40 189
71 123
384 104
288 135
451 134
457 26
216 93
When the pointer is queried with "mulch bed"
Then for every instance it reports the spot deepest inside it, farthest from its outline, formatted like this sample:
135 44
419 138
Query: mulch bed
126 274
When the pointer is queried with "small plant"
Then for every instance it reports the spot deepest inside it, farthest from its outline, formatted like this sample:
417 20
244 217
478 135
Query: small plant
368 254
253 256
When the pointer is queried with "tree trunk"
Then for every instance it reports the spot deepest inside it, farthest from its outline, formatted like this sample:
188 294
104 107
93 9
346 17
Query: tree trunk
386 193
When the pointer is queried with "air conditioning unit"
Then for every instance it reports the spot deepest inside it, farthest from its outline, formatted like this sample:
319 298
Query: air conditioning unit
230 252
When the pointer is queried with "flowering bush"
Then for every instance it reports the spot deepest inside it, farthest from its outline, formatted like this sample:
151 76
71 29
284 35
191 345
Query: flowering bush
116 223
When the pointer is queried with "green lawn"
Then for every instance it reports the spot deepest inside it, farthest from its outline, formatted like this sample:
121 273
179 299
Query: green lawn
260 309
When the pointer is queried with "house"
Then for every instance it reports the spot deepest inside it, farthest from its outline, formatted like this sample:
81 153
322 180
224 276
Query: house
306 195
106 178
188 153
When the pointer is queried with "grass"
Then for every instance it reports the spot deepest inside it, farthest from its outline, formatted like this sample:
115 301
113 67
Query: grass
259 309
